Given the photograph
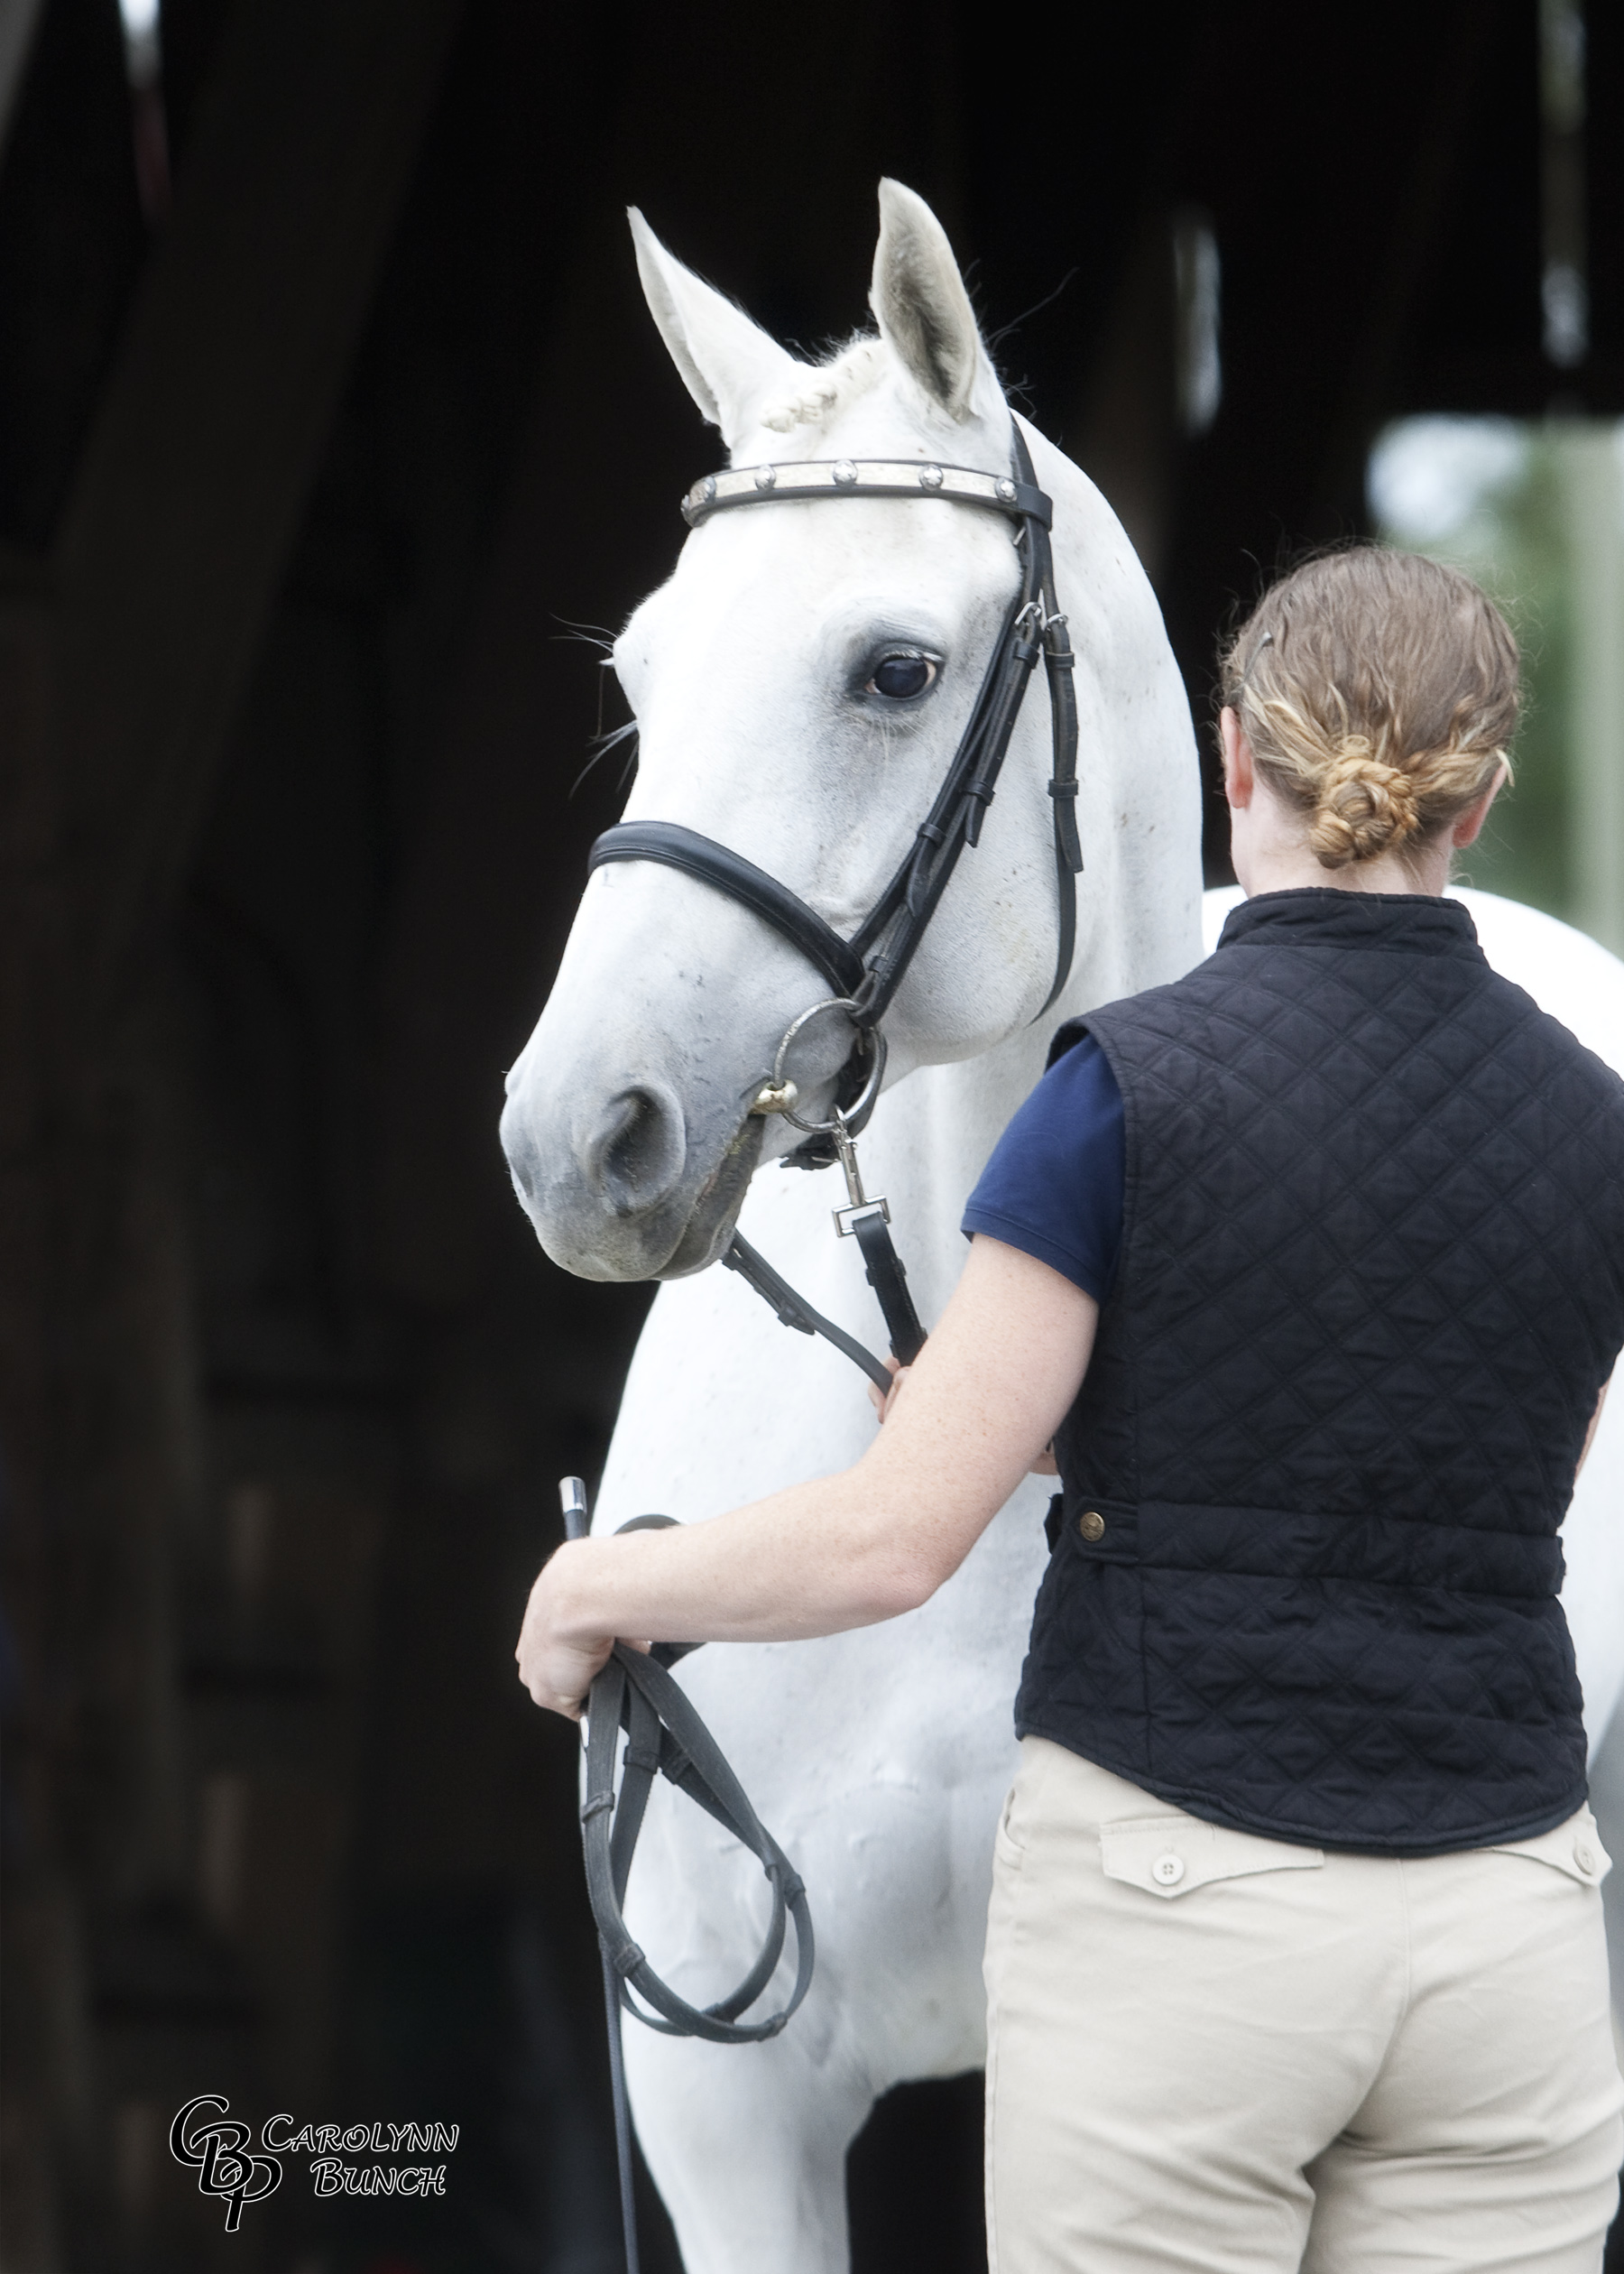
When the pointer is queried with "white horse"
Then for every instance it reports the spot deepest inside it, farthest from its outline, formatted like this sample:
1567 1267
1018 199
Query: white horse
878 1759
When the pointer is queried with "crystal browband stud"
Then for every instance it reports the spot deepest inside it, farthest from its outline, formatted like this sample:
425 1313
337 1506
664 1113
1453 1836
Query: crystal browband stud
862 478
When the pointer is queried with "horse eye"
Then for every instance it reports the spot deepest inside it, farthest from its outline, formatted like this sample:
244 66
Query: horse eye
902 676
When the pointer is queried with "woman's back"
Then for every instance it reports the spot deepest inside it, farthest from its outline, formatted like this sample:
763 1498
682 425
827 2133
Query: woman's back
1371 1284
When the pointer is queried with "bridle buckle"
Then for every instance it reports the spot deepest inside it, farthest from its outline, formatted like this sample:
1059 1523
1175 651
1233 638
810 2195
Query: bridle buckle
847 1219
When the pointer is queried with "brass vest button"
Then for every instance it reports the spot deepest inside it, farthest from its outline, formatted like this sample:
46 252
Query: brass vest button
1091 1524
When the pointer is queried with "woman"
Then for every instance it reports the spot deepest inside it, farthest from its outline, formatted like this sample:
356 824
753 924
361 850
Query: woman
1310 1267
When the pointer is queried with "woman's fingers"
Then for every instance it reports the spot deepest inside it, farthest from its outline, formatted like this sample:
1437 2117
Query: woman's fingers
549 1676
558 1676
883 1400
558 1670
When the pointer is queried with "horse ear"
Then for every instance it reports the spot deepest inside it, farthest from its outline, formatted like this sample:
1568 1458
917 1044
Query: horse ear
923 309
729 364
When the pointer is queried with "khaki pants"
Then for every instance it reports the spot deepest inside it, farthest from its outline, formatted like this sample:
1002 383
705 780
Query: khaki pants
1221 2053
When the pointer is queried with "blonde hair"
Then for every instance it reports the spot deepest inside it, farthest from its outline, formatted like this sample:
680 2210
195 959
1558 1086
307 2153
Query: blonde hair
1378 691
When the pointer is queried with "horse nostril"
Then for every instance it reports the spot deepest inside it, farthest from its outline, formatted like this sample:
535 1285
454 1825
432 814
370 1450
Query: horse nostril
635 1155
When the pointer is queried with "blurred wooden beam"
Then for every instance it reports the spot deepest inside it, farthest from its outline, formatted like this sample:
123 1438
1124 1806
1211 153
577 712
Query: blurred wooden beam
193 481
1445 121
122 662
18 19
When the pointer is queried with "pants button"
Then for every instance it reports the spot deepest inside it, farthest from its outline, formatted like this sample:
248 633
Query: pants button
1167 1869
1585 1856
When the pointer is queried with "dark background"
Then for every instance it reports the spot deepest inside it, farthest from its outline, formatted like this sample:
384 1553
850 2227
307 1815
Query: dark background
304 480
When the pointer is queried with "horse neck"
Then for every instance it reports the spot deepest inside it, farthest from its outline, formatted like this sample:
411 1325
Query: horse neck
961 1111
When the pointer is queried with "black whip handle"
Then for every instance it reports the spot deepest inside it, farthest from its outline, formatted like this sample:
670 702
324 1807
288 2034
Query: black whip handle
572 1493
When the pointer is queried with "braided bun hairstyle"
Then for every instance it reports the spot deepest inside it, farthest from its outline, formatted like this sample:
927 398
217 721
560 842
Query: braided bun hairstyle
1378 691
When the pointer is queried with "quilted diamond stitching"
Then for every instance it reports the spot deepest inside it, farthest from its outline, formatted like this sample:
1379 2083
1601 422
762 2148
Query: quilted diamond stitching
1375 1254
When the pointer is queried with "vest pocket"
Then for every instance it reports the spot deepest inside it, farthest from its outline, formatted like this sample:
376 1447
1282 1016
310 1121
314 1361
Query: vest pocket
1169 1855
1098 1529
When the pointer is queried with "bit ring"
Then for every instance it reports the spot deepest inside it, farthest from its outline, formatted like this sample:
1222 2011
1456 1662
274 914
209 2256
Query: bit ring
869 1038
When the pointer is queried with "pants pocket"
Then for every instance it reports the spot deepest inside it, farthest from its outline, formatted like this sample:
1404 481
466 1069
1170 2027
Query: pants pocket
1172 1855
1575 1848
1008 1849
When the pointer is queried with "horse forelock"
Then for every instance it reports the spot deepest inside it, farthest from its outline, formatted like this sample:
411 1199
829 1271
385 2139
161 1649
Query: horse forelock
824 390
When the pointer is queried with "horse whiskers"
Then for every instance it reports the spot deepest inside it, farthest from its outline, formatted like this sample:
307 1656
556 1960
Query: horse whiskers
603 743
597 635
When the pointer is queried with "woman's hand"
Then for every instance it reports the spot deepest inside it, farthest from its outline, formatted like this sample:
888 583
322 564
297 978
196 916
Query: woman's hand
556 1666
883 1400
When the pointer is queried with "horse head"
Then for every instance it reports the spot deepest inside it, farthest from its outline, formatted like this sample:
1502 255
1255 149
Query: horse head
800 684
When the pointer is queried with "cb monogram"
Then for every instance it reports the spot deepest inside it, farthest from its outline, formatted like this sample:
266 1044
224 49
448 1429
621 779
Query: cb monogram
204 2135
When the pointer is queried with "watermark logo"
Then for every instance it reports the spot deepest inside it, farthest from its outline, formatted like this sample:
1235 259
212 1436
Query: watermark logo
204 2135
356 2159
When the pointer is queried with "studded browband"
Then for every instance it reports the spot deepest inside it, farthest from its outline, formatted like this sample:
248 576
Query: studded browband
864 477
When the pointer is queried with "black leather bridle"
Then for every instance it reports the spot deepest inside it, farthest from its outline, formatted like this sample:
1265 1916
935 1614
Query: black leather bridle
866 970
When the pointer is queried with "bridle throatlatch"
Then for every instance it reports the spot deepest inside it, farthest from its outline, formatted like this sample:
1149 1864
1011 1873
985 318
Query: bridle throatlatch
634 1692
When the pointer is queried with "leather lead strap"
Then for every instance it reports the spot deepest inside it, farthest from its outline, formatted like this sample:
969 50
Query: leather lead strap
888 1276
666 1736
794 1310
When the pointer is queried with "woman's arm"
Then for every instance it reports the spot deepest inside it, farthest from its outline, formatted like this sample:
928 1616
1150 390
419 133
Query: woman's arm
1590 1434
978 1404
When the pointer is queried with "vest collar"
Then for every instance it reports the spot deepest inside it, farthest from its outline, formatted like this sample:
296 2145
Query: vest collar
1319 916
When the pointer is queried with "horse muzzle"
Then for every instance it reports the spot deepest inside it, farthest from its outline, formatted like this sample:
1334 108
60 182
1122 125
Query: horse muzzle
632 1184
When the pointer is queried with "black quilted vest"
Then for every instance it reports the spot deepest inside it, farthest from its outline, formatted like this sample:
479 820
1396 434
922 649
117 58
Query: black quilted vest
1306 1568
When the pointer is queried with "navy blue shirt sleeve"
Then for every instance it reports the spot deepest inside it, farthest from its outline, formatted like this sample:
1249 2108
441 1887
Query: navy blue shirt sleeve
1053 1186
